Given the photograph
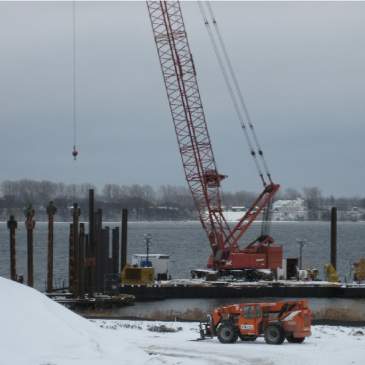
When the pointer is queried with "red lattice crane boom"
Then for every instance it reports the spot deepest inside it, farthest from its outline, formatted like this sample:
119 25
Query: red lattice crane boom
196 152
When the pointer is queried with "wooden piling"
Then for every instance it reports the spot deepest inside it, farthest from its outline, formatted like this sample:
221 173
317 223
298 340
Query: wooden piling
29 224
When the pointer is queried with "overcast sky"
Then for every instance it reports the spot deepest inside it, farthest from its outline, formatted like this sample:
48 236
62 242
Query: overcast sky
301 67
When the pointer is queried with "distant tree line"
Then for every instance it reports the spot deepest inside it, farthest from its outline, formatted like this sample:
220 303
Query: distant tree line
143 201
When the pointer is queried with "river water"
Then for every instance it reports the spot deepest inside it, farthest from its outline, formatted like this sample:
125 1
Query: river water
187 245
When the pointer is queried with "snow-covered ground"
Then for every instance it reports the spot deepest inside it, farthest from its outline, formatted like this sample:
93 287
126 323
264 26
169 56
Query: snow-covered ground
37 331
328 345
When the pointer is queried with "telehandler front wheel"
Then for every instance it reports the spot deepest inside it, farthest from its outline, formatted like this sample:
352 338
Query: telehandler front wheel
227 333
274 335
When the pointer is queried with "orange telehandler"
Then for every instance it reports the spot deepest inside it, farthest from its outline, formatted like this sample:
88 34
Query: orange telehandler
275 321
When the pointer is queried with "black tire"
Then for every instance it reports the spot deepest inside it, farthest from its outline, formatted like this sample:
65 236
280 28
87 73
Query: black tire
292 339
247 338
227 333
274 335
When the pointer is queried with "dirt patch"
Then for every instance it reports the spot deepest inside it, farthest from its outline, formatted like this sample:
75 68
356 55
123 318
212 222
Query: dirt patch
195 314
337 314
163 329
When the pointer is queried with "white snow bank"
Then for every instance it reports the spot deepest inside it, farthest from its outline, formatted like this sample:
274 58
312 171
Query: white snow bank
36 330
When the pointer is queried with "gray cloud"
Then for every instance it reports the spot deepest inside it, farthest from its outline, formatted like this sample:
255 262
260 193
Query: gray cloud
301 66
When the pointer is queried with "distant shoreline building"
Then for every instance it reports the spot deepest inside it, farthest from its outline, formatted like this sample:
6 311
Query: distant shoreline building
234 214
289 210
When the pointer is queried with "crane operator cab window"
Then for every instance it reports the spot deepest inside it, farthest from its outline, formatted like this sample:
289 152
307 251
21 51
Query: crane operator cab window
251 311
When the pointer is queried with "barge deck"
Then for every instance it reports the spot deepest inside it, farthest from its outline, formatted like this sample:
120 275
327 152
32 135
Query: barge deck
185 289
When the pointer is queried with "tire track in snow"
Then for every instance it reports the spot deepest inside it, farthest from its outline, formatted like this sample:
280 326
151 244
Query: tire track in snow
210 357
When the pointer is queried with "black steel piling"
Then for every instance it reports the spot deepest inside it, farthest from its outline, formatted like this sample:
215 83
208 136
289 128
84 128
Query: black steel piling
91 250
124 239
71 258
334 237
91 217
51 211
75 239
12 226
104 257
99 251
115 250
89 264
81 264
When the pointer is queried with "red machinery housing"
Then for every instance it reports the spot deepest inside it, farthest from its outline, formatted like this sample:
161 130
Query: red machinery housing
203 178
257 255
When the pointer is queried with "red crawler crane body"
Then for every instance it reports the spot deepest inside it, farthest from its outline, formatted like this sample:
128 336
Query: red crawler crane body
196 152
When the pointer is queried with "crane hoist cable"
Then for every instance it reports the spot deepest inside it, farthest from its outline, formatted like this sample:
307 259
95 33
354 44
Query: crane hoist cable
74 120
232 94
266 222
236 86
236 93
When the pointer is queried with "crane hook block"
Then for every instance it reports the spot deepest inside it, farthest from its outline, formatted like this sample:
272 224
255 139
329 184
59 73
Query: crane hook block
75 153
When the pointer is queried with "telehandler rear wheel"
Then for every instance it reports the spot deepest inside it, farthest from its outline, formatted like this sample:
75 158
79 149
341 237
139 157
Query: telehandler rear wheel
274 335
227 333
293 339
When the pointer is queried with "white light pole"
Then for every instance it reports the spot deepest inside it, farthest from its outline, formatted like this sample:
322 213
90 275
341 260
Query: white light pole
301 243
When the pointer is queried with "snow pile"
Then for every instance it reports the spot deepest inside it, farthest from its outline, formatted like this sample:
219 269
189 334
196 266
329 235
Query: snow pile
36 330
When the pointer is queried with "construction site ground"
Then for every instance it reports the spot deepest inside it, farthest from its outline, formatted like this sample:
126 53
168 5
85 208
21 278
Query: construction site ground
328 345
35 330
